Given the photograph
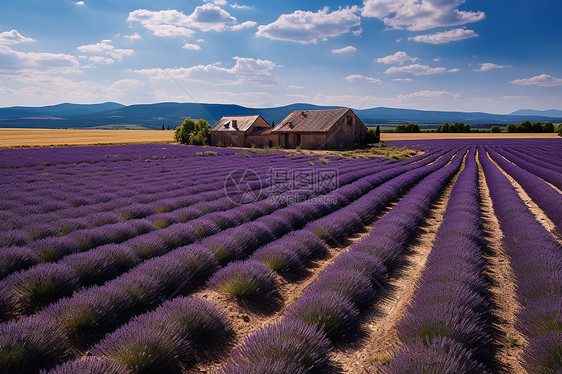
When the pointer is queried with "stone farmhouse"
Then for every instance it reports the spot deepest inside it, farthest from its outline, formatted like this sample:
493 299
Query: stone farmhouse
309 129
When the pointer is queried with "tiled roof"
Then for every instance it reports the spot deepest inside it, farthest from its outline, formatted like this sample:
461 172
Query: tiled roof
310 120
242 123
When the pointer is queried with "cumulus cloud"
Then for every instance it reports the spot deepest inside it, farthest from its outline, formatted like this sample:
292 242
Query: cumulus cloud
543 80
445 36
399 58
348 49
417 69
193 47
308 27
104 48
173 23
13 37
359 78
79 3
244 70
11 60
420 14
490 66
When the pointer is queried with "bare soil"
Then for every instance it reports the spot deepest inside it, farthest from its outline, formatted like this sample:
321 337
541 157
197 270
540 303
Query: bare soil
503 287
381 336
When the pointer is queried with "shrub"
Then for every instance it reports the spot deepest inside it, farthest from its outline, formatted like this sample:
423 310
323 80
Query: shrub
153 349
89 365
243 280
279 259
495 129
328 311
39 286
31 344
193 133
290 342
440 355
349 283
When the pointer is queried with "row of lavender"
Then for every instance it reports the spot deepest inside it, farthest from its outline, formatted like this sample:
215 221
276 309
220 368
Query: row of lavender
102 263
448 327
82 315
121 193
53 248
536 260
251 279
16 158
330 308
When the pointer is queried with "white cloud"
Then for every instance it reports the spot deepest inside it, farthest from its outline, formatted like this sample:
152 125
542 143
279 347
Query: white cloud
13 37
358 78
543 80
244 25
216 2
133 36
193 47
399 58
237 6
348 49
420 14
105 48
417 69
455 70
99 59
308 27
79 3
173 23
490 66
427 94
11 60
402 79
296 87
244 70
445 36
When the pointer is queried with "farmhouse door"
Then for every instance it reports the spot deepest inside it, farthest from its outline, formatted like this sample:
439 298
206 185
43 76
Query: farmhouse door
286 140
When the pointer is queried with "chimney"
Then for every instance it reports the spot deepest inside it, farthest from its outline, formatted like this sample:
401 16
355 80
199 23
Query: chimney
234 123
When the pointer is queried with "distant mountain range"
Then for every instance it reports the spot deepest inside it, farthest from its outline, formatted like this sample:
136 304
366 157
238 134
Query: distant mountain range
153 116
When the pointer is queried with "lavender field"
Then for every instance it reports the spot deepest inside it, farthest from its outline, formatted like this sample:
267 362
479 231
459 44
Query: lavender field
178 259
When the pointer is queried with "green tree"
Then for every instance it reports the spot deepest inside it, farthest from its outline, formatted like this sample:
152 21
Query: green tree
511 128
412 127
495 129
400 128
560 130
536 127
548 127
466 128
194 133
442 127
526 125
378 134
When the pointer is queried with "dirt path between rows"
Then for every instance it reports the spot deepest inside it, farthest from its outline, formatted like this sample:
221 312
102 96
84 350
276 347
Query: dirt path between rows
381 339
533 207
509 340
246 321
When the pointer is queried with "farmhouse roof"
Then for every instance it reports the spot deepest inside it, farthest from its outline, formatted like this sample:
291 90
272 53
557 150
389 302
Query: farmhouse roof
235 123
310 120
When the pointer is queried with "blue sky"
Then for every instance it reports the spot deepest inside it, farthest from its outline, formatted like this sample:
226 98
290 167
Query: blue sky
495 56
